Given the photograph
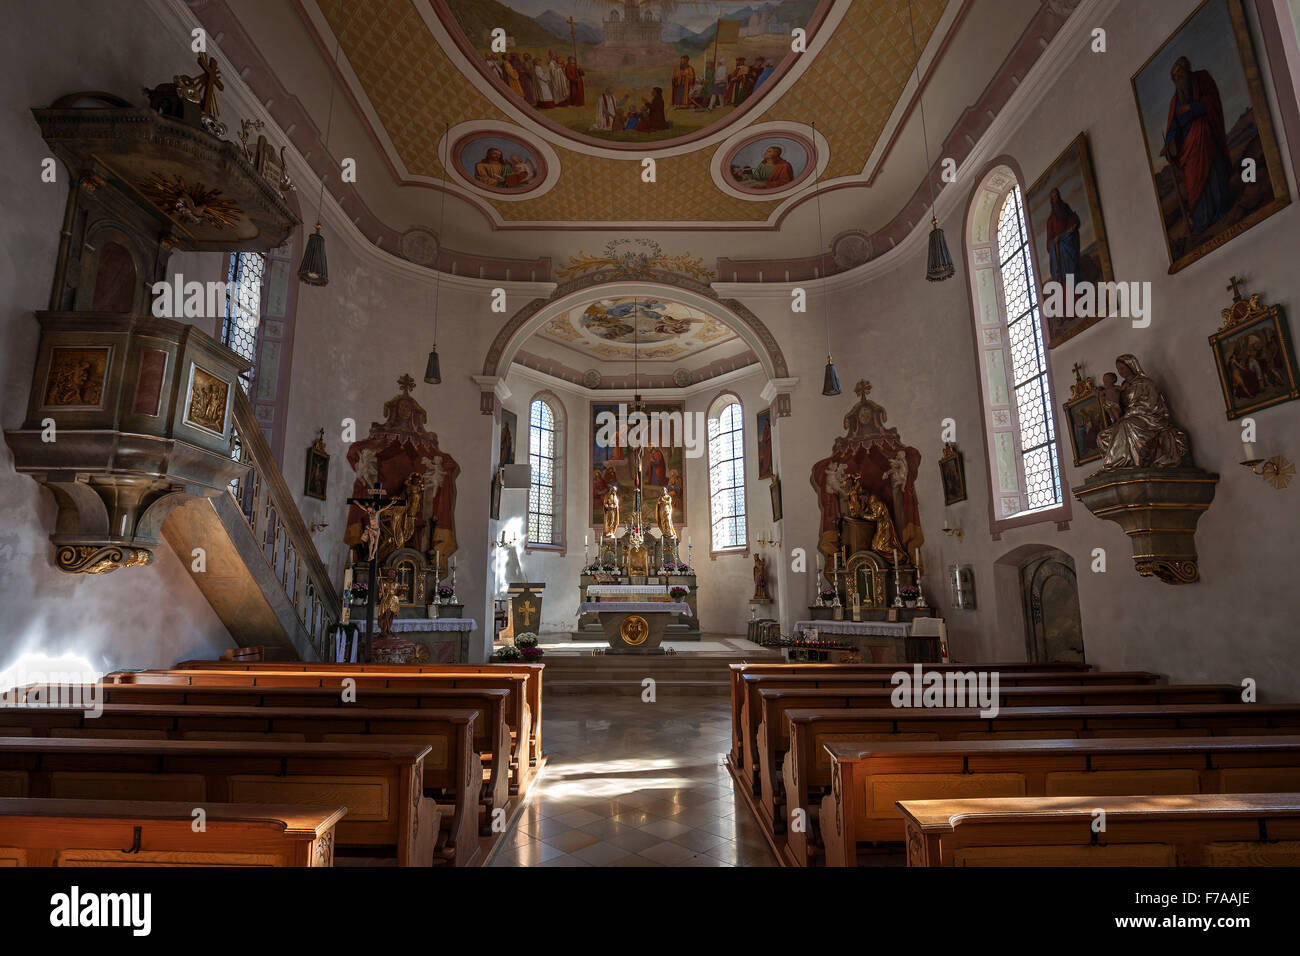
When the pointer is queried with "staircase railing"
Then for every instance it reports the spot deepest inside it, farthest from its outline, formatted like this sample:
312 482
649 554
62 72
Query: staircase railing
278 528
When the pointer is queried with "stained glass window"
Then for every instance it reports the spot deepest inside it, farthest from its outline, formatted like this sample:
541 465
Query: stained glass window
1036 431
243 309
727 478
543 487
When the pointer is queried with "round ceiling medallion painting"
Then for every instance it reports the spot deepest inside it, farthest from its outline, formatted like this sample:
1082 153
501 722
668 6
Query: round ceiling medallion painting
769 165
499 162
624 73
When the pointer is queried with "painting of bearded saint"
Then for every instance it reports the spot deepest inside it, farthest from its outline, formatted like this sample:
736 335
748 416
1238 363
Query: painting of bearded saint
1069 240
1214 159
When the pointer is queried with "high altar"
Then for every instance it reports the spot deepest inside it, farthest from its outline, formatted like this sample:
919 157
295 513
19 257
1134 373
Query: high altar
638 591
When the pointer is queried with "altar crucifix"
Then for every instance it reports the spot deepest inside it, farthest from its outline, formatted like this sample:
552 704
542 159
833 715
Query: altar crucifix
374 505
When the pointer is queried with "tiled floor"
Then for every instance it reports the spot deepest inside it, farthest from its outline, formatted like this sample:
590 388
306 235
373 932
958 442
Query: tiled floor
635 784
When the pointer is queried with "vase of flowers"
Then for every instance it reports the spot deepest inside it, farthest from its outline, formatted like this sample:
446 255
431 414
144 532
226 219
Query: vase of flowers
909 593
510 654
527 644
678 592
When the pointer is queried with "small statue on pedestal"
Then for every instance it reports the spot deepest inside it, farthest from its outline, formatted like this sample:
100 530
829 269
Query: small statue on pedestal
760 578
1145 435
611 511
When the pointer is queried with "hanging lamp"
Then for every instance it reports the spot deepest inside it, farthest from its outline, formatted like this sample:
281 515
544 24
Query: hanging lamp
939 262
314 270
831 380
433 371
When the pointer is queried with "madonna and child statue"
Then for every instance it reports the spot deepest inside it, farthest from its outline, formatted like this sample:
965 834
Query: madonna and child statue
1147 483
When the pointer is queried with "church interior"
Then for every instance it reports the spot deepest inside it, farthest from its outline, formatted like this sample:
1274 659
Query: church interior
865 430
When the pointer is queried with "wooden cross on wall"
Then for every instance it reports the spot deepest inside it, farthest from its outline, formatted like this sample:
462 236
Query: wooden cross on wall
1232 287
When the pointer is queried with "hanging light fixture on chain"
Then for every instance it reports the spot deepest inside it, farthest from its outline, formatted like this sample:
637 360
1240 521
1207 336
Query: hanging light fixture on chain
433 371
831 380
939 262
314 270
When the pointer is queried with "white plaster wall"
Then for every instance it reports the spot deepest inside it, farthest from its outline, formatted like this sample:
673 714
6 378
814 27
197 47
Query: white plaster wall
915 345
137 617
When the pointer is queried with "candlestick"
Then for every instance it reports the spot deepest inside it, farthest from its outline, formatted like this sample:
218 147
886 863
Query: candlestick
1248 449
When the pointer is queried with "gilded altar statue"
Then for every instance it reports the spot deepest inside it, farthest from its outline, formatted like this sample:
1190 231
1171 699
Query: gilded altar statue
1145 435
760 578
853 498
399 525
611 511
885 540
387 602
664 515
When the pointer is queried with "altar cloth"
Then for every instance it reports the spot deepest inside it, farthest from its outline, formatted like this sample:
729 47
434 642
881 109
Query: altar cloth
425 624
856 628
632 607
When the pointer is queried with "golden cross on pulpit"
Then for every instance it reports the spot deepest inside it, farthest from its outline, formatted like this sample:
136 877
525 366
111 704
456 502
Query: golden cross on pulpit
527 609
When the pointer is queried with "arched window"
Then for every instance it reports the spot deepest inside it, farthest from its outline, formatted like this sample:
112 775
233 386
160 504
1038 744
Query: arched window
1036 432
727 475
1025 482
545 504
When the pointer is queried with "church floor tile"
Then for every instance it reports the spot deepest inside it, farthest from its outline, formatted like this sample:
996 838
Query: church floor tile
634 784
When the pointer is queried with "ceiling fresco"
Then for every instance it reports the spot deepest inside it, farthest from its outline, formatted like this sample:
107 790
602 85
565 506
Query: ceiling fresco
630 72
614 329
415 78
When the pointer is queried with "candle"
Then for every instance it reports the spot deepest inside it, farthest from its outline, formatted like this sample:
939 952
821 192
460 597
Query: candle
895 559
946 525
918 559
1248 449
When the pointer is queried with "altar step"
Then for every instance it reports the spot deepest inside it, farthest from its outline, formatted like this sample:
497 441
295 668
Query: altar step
683 673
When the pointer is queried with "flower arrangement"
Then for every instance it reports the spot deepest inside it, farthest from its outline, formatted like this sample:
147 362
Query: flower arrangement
678 592
360 592
680 567
826 594
592 568
507 654
527 644
446 593
909 592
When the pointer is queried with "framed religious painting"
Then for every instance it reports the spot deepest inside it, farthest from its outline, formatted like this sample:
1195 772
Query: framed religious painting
1085 419
1255 357
952 470
1070 245
318 468
1214 159
764 432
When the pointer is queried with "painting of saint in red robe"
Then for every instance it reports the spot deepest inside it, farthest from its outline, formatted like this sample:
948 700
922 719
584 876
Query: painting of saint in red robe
764 431
1209 135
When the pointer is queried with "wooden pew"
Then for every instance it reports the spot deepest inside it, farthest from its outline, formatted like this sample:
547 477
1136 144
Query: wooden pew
738 671
491 733
46 832
750 684
868 780
774 702
532 671
1203 829
452 769
380 784
807 766
520 717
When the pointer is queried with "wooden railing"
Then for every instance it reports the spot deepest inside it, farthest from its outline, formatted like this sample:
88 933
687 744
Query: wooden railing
277 525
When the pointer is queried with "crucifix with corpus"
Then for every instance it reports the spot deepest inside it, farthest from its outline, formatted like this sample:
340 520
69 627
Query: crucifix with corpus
374 505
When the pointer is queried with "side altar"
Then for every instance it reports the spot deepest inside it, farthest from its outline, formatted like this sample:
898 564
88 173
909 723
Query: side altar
401 528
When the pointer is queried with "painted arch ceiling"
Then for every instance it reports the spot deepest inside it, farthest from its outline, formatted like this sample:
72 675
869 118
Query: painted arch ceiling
550 169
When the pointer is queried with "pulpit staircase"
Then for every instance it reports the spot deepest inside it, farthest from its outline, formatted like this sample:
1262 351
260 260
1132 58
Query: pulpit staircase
261 571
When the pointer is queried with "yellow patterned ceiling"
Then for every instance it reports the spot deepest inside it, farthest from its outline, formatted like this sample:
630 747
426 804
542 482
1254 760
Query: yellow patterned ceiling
417 91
